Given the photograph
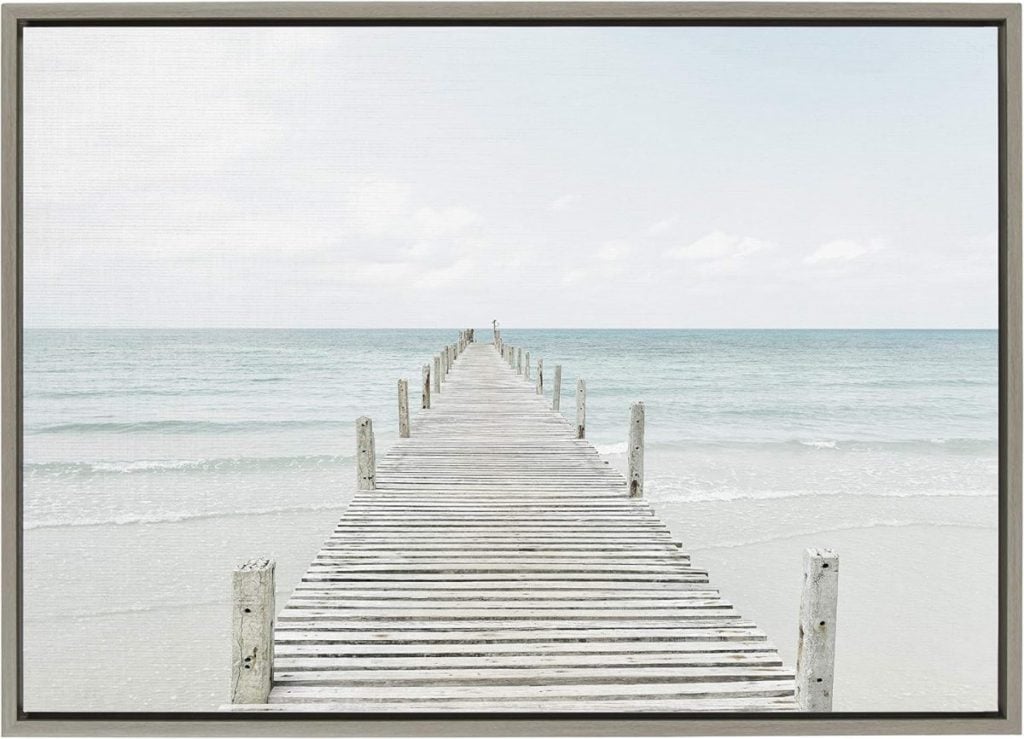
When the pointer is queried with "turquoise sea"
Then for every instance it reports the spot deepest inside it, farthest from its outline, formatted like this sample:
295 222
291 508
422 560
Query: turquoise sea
154 459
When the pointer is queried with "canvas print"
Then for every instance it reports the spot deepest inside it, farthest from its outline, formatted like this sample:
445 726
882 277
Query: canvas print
523 369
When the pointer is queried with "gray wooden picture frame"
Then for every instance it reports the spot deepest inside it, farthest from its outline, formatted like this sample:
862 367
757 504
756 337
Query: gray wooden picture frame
1005 17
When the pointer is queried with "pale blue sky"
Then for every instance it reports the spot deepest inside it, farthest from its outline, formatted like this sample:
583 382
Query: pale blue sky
648 177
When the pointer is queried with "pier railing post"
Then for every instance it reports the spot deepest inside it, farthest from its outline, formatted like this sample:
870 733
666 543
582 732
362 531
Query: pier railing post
816 649
540 377
636 450
252 631
426 386
519 362
403 409
556 389
366 456
437 373
526 367
444 363
581 409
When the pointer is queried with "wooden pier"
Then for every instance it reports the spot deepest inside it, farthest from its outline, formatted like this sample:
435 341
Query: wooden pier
491 561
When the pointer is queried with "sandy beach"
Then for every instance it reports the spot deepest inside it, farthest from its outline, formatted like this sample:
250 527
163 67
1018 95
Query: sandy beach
917 612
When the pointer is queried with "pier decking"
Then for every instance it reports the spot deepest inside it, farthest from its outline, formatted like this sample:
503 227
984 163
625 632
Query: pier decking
499 565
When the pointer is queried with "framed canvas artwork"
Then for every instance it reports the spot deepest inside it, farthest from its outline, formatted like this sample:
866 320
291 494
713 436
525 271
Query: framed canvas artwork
511 368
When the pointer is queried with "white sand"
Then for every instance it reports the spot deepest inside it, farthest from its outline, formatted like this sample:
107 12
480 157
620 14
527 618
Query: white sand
136 616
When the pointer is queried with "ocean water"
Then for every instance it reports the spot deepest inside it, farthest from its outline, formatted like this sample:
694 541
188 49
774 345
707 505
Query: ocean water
156 459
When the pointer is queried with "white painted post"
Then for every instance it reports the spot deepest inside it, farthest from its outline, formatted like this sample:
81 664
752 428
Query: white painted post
816 650
526 367
426 386
366 457
252 631
636 450
540 377
437 373
556 389
519 362
581 409
403 409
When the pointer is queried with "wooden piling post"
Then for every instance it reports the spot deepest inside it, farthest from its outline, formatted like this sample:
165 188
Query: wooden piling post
403 409
636 450
437 373
540 377
526 367
816 649
556 389
252 631
519 362
444 363
581 409
366 456
426 386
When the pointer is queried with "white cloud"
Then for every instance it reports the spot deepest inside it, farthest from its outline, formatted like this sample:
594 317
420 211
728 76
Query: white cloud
663 226
563 203
841 250
575 276
719 245
387 209
612 251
